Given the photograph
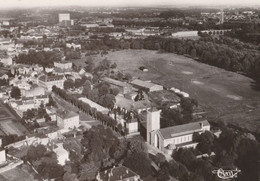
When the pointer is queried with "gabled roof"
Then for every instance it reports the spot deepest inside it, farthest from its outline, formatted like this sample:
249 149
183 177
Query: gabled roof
183 129
142 83
46 78
116 82
117 173
66 114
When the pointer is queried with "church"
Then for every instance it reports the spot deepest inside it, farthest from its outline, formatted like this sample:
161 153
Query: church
171 138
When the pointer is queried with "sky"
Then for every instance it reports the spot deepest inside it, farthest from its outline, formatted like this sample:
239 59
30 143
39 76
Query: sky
33 3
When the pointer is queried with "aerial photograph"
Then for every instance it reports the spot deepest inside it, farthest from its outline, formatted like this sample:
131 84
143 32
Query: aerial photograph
130 90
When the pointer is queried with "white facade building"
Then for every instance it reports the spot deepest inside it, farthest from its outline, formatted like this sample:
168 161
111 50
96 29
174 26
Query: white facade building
63 65
64 17
62 154
67 119
47 82
171 138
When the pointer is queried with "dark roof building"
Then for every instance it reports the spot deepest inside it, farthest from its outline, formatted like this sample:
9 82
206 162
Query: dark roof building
146 86
120 173
123 87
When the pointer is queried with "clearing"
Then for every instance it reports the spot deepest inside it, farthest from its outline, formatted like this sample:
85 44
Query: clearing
224 95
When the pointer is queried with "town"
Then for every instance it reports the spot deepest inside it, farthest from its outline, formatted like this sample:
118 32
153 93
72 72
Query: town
129 93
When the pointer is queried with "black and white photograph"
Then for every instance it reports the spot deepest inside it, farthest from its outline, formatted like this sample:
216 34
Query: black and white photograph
130 90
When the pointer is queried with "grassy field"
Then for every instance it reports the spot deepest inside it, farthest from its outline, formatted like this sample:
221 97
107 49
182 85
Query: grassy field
224 95
9 122
21 173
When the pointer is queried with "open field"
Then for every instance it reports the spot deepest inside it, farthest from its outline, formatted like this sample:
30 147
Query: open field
21 173
224 95
9 122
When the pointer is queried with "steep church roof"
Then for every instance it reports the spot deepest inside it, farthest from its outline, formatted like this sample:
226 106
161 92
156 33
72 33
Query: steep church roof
183 129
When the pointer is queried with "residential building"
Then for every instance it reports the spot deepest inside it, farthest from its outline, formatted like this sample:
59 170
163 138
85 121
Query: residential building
47 82
73 45
64 17
63 65
146 86
36 91
171 138
62 154
41 99
67 119
2 156
120 173
184 34
52 113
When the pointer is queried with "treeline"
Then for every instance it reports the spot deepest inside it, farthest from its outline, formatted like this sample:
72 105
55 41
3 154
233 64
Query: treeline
86 108
159 23
42 58
231 55
233 149
249 32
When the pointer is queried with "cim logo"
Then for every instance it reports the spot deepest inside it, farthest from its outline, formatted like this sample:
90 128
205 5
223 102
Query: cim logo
226 174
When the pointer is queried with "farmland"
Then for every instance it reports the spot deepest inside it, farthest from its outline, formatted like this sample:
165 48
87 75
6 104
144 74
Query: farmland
224 95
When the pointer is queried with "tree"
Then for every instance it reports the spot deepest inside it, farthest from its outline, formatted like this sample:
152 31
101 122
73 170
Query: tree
86 87
114 65
41 111
128 76
115 91
51 102
47 117
108 101
205 140
29 114
185 156
88 171
140 163
16 93
68 84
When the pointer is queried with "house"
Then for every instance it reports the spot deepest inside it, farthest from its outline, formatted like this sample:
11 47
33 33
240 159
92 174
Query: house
21 83
4 76
62 154
73 45
123 87
63 65
120 173
2 156
52 113
49 69
171 138
24 105
184 34
47 82
67 119
36 91
41 99
146 86
7 60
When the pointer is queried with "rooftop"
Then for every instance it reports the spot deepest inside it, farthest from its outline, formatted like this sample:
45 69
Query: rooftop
130 104
94 105
46 78
142 83
183 129
117 173
66 114
116 82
